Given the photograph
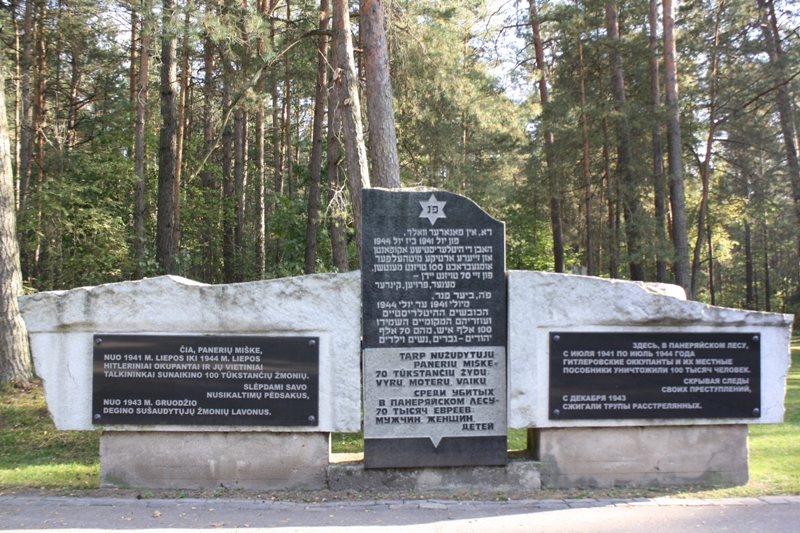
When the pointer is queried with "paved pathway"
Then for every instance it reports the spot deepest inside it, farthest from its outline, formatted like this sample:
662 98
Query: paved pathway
773 514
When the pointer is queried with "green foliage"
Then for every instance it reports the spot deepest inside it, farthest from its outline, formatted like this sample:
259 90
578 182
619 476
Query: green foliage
459 131
469 120
347 442
82 224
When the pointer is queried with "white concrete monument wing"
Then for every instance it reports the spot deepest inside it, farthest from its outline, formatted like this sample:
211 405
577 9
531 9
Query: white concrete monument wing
61 325
540 303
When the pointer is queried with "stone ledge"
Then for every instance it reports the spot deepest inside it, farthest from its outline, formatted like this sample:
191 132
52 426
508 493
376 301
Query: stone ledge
517 476
256 461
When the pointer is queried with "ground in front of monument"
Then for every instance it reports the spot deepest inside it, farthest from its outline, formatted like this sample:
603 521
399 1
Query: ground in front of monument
768 514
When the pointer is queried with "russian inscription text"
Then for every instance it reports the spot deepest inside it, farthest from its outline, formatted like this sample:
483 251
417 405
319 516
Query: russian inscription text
654 375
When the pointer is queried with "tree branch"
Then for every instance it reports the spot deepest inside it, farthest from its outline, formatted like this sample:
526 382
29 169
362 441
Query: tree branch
226 114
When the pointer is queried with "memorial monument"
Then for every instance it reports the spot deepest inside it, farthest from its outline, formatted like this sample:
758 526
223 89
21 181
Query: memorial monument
618 383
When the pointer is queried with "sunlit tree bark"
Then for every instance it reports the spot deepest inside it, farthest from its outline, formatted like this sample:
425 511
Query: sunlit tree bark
385 169
15 365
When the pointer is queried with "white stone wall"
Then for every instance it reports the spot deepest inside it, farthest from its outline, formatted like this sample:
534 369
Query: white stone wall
540 302
61 325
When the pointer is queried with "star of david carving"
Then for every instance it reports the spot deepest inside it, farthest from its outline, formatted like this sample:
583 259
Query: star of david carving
432 209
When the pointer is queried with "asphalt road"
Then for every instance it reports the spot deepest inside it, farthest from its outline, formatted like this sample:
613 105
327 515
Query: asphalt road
776 514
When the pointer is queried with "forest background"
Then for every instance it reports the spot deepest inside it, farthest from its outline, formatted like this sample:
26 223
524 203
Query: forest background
604 151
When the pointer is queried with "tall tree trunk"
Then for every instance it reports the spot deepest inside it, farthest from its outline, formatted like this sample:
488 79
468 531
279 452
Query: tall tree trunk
553 185
777 61
659 180
185 76
261 162
132 71
315 170
72 112
39 122
240 159
674 157
15 363
38 126
25 119
380 111
711 288
168 143
276 115
705 166
587 174
210 187
228 213
748 261
259 214
139 186
17 100
345 78
239 142
613 211
277 118
628 185
767 286
287 110
336 201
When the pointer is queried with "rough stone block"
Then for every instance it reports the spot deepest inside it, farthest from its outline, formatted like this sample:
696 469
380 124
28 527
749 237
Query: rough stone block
648 456
191 460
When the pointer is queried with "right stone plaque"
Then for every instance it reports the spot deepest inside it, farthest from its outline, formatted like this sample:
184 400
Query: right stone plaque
434 327
627 375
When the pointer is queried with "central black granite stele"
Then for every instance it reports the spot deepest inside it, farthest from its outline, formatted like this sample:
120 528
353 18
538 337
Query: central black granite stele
435 331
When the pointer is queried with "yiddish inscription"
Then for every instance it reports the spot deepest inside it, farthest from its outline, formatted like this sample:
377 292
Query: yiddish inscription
654 375
201 380
434 317
435 392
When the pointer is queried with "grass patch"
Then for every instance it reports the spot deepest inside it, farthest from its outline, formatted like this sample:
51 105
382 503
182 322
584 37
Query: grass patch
517 439
774 448
33 454
347 442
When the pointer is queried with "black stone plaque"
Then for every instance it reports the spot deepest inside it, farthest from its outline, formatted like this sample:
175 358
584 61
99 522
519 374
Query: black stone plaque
434 331
654 375
202 380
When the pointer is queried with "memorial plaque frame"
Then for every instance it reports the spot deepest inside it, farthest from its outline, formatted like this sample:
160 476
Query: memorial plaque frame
652 375
225 380
434 311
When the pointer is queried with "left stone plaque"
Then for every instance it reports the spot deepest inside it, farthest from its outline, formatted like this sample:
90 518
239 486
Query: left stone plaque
205 380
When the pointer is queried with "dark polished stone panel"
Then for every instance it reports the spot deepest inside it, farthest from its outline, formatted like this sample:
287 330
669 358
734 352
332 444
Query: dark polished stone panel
205 380
627 375
420 452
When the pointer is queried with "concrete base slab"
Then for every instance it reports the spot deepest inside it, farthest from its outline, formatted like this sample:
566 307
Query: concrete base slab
641 456
515 477
198 460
